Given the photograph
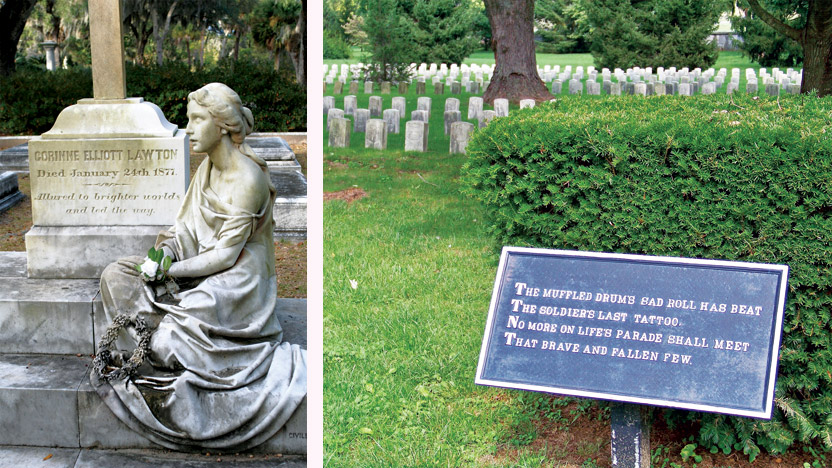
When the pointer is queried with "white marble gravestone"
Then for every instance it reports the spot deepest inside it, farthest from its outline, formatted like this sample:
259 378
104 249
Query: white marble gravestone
108 176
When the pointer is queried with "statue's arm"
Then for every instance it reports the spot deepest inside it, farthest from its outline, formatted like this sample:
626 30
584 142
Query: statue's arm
207 263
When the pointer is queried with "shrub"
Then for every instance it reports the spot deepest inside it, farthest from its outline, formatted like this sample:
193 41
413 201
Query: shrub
335 47
705 177
30 100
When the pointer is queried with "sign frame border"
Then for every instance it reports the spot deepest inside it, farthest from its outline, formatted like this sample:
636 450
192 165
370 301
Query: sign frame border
774 351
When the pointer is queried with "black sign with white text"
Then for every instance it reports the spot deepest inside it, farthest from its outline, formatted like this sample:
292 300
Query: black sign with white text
683 333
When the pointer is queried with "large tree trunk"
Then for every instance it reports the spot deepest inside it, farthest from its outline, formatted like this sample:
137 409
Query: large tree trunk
512 39
816 40
817 49
13 16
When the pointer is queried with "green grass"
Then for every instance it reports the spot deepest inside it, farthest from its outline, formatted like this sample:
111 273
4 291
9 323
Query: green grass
401 348
725 60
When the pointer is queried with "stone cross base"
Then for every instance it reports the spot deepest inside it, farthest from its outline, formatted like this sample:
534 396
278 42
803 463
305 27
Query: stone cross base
84 251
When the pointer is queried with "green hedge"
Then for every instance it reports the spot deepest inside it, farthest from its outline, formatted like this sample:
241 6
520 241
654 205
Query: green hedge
706 177
30 100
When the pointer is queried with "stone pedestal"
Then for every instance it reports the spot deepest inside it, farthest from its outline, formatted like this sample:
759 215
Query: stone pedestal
106 178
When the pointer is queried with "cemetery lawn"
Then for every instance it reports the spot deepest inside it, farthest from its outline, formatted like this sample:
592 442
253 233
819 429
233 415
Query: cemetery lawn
408 273
290 256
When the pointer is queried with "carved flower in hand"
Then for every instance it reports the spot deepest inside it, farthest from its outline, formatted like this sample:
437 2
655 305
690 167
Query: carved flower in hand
149 268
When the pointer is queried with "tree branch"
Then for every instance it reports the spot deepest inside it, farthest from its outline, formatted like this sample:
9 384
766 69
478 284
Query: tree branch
771 20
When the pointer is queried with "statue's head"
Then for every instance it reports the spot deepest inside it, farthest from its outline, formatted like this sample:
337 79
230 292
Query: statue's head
226 109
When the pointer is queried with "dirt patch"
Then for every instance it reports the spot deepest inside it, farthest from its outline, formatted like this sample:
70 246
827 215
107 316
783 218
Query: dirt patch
348 195
301 155
588 437
16 221
290 268
337 165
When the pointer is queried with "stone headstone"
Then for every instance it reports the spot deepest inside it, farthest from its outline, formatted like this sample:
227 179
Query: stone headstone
640 89
524 103
709 88
605 86
353 87
332 114
439 88
391 118
420 87
474 107
9 191
361 118
451 104
451 116
794 88
659 89
456 87
403 87
108 176
685 89
420 115
460 134
375 106
473 87
557 87
338 88
593 88
575 87
329 103
424 104
376 134
368 87
732 86
400 104
486 117
772 89
385 87
350 104
501 107
416 136
615 89
339 132
751 87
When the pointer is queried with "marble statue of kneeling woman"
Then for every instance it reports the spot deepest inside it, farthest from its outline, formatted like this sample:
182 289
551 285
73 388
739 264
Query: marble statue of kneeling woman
216 374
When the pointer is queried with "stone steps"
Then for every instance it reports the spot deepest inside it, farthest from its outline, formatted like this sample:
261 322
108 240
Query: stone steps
46 400
37 457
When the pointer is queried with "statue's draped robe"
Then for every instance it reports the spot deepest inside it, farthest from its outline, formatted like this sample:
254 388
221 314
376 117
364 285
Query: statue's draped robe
220 376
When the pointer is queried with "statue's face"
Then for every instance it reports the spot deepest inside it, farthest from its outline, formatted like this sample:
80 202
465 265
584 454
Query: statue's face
204 133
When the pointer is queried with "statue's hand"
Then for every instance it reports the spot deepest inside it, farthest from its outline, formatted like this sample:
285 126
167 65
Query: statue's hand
128 264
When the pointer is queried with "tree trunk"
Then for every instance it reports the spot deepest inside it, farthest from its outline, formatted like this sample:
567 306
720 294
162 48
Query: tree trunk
300 67
238 33
160 32
817 49
13 16
202 38
816 40
817 66
512 39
